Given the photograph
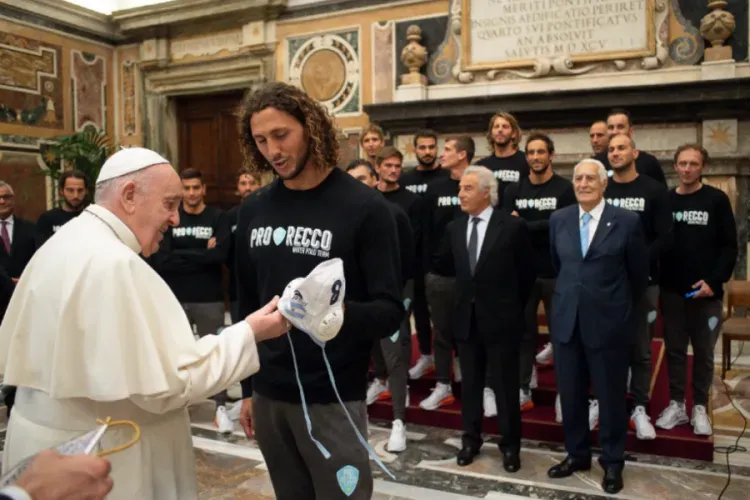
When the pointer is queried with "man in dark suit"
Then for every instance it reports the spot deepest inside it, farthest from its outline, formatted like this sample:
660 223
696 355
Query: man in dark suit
490 254
17 246
601 259
17 236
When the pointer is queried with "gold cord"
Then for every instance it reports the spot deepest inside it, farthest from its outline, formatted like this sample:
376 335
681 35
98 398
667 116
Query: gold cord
110 423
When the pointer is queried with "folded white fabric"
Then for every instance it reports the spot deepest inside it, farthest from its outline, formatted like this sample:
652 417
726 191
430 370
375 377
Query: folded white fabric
314 304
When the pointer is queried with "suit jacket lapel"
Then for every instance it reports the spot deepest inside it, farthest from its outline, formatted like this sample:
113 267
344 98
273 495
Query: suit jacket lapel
493 230
574 227
604 227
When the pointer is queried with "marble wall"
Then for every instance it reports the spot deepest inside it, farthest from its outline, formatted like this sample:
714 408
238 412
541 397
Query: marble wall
51 84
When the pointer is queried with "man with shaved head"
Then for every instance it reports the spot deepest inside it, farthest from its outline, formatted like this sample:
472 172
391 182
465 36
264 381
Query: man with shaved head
92 332
601 260
649 199
598 137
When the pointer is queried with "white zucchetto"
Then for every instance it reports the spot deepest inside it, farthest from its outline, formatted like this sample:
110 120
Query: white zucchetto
127 161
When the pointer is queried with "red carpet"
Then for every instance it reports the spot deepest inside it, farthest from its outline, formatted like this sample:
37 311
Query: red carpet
539 423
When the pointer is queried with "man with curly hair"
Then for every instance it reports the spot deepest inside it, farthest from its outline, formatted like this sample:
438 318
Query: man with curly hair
310 213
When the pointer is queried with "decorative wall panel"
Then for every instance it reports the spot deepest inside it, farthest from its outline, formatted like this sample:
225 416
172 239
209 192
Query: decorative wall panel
89 76
30 85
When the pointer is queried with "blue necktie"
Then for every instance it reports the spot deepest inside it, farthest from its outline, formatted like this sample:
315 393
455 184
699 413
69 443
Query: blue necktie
586 217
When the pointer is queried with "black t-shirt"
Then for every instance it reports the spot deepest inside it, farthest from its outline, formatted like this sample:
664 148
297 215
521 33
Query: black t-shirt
50 221
283 234
441 206
645 164
190 268
705 241
418 181
232 220
649 199
507 170
406 245
411 204
535 203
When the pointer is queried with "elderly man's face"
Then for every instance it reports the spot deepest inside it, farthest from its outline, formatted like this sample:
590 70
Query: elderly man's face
588 186
155 208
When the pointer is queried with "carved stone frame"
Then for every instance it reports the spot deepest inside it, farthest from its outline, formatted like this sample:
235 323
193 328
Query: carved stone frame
658 11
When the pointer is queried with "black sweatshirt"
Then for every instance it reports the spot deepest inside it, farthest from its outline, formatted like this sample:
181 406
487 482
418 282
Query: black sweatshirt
50 221
645 164
418 181
535 203
283 234
406 244
650 200
507 170
705 242
441 206
190 268
232 220
411 204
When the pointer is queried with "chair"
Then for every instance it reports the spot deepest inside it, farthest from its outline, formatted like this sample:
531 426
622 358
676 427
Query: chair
734 328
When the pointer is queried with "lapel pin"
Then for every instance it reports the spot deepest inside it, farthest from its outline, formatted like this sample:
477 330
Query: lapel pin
609 224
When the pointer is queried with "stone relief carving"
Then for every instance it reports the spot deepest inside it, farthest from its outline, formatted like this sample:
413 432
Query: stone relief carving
685 47
414 56
564 65
328 68
716 27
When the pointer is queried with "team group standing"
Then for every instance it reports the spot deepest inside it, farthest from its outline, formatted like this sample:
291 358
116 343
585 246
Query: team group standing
470 249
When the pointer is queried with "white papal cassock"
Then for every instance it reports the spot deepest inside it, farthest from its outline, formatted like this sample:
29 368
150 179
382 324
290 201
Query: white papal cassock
93 332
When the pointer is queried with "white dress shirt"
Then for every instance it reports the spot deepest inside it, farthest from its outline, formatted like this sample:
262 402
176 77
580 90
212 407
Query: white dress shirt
9 220
596 216
484 217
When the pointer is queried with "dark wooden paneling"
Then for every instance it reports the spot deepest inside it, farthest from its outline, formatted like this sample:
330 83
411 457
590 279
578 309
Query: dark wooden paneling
209 141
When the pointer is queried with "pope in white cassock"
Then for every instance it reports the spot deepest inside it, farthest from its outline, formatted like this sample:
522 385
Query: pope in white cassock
93 332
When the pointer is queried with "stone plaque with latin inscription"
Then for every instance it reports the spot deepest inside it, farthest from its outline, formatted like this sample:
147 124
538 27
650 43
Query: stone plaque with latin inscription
518 33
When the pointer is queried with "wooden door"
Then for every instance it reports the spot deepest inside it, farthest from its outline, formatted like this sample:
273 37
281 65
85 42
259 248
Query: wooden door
209 141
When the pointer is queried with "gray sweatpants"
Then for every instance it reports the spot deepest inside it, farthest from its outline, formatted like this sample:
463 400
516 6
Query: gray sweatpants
690 321
297 468
541 292
392 357
640 353
207 318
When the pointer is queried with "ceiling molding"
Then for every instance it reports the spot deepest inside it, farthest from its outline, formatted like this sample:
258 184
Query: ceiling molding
179 16
168 19
63 14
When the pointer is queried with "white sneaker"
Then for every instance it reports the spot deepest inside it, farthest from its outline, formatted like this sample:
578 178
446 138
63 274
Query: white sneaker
377 387
424 364
558 409
397 441
545 356
700 421
525 400
441 395
457 370
490 403
222 420
234 411
593 414
642 422
534 383
673 415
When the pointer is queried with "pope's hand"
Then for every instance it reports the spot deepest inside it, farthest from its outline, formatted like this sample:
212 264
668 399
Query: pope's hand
52 476
267 322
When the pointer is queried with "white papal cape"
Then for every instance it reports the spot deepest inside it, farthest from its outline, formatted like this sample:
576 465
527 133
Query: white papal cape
93 332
